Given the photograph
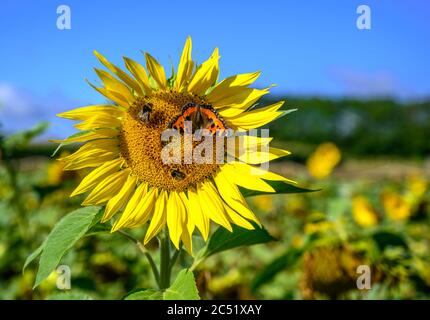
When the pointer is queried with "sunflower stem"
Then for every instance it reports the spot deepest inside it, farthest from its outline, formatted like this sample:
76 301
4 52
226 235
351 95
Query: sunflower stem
164 262
145 251
175 257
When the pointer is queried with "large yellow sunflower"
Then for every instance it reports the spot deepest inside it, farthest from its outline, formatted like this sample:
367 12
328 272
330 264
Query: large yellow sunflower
122 143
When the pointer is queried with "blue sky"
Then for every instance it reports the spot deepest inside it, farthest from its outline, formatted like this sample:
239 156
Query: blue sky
305 47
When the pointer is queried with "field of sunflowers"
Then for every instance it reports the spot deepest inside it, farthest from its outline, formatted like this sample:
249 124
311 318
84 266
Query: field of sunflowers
366 210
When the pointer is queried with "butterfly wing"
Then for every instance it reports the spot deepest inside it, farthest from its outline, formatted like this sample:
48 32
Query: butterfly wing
201 117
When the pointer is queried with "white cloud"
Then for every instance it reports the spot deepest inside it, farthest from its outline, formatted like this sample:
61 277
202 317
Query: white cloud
370 84
20 109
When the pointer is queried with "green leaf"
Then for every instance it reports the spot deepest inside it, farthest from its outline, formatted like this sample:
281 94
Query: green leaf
23 138
286 260
33 256
69 296
183 288
64 235
279 186
386 239
99 228
222 239
147 294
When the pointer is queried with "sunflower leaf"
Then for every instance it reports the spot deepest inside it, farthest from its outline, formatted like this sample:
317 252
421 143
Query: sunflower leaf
144 294
69 296
36 253
287 259
65 234
183 288
21 139
223 240
385 239
279 186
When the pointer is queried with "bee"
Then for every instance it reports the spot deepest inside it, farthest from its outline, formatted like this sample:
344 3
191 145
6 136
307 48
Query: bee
145 112
178 174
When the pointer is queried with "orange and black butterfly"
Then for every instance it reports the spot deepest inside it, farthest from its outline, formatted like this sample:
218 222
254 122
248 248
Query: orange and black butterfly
201 116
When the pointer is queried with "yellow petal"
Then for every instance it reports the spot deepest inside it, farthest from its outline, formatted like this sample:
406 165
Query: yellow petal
156 70
88 136
186 65
85 113
237 100
131 206
103 120
245 177
232 196
212 205
256 171
189 222
113 84
238 219
257 118
197 215
119 200
118 72
139 72
246 142
107 188
112 95
232 86
158 219
187 226
97 175
205 75
175 217
144 209
254 156
92 154
101 144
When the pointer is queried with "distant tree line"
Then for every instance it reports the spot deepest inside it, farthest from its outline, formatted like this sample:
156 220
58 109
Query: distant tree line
359 127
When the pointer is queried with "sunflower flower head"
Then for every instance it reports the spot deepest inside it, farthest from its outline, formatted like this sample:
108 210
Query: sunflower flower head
363 212
324 159
396 206
123 144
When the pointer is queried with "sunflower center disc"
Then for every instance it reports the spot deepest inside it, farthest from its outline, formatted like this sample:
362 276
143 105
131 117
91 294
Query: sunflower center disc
141 145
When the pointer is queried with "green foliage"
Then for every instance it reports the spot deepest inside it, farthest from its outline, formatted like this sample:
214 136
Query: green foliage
359 127
279 186
386 239
286 260
64 235
106 266
22 139
146 294
183 288
222 240
69 296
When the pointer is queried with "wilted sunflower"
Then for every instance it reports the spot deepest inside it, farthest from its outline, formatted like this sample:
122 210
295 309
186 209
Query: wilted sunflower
123 145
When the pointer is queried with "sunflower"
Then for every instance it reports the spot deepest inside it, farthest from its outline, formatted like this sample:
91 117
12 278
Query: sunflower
121 143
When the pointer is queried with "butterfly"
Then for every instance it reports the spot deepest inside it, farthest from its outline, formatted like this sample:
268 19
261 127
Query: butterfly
201 116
